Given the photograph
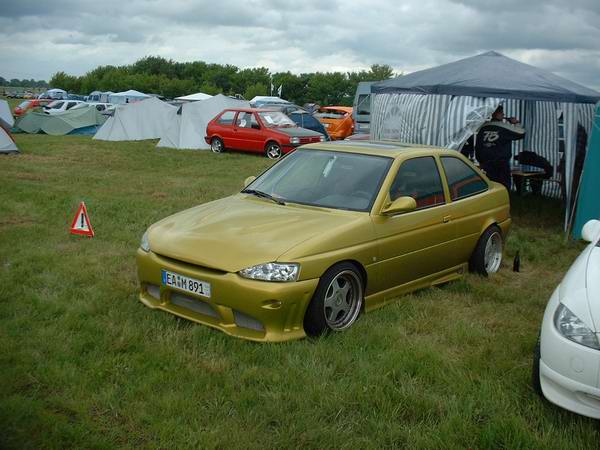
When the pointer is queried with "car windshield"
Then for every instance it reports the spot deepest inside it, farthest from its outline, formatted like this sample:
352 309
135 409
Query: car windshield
325 178
273 119
55 105
364 104
24 104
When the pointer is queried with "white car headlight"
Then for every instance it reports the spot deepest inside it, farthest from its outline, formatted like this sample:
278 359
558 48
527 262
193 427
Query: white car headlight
272 272
145 244
322 138
294 140
571 327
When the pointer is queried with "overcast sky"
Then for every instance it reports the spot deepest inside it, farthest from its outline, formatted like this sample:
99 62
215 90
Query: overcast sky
40 38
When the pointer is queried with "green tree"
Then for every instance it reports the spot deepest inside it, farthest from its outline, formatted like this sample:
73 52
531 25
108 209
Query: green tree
381 72
254 90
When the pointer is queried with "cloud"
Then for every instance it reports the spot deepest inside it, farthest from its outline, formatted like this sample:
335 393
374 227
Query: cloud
40 38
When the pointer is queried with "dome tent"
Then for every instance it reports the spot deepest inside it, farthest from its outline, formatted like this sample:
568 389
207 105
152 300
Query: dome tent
187 128
7 144
445 105
146 119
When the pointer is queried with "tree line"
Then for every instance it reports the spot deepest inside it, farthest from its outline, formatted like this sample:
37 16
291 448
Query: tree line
170 79
15 82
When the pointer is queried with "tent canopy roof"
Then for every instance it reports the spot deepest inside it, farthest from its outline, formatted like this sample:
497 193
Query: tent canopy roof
194 97
490 74
130 93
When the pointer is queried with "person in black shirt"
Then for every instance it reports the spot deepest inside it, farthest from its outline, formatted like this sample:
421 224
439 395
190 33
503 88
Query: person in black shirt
493 148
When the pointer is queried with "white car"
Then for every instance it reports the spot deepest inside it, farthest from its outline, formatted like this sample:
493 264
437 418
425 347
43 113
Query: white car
566 365
102 107
60 106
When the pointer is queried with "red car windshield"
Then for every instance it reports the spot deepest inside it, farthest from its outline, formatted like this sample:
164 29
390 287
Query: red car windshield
24 104
273 119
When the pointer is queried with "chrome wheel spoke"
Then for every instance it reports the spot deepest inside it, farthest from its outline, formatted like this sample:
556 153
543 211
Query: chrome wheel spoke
343 300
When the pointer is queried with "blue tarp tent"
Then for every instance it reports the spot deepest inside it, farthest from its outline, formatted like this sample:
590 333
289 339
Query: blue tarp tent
447 104
588 206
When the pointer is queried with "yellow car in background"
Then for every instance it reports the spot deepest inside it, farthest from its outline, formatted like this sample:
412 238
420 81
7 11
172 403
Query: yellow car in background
329 231
337 120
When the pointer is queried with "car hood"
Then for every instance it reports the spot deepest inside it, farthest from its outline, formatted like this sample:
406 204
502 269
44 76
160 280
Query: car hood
240 231
593 285
297 131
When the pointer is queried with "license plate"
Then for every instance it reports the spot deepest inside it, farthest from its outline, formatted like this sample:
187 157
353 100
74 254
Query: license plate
186 284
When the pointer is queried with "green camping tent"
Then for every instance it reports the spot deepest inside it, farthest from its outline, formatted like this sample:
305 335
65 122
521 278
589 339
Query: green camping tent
63 123
588 206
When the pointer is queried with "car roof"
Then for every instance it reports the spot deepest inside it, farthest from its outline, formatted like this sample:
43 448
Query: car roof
251 110
390 148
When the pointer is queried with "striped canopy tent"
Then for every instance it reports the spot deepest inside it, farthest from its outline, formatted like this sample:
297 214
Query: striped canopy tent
447 104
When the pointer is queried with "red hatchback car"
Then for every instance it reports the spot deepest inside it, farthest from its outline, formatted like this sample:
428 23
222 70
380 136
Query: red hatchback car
257 130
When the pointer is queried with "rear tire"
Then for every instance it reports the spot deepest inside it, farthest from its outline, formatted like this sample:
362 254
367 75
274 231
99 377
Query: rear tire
337 301
487 256
216 145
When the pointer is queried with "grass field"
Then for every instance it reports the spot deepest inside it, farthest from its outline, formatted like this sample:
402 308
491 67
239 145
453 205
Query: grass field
85 365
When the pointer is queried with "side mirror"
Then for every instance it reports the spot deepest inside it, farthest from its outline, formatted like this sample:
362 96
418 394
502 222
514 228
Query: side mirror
249 180
590 230
400 205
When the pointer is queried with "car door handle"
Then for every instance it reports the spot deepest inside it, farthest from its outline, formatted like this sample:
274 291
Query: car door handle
447 219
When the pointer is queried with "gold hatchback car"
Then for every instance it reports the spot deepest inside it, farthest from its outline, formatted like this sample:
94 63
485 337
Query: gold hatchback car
327 232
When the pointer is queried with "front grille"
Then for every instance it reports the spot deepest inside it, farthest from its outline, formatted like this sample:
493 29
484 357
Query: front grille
193 304
308 140
245 321
191 265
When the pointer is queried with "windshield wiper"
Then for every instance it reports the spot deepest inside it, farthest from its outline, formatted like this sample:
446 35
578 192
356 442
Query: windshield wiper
263 195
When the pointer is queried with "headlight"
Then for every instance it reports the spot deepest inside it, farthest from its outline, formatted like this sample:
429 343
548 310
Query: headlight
294 140
145 244
571 327
272 272
322 138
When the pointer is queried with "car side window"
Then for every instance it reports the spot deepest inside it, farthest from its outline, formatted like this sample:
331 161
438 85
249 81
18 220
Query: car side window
463 181
226 118
243 120
419 178
70 105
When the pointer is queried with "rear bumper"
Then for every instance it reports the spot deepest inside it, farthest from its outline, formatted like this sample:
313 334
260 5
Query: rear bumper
249 309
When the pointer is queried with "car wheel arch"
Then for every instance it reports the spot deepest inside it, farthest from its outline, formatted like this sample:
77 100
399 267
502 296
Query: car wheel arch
361 270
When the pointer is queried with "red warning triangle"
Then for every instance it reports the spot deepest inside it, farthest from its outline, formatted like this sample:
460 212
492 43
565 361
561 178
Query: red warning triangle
81 223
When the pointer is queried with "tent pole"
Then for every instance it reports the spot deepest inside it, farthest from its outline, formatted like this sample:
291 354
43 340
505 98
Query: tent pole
574 208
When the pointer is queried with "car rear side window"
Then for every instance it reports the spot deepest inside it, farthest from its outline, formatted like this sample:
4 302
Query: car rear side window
419 178
226 118
463 181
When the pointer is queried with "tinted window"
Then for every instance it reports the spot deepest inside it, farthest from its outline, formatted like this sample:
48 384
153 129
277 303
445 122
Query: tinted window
227 118
463 181
419 178
71 104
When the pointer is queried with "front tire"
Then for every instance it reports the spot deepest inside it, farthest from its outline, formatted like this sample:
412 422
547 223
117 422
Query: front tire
273 150
487 256
216 145
337 301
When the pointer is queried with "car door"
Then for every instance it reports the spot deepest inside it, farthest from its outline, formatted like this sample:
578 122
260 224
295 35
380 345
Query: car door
248 133
469 214
225 129
414 244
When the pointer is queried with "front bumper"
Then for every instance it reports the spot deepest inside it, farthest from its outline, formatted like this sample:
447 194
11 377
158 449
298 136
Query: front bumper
568 371
249 309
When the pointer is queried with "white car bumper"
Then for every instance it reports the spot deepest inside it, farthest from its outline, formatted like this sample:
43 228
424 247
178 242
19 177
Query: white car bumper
568 371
